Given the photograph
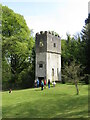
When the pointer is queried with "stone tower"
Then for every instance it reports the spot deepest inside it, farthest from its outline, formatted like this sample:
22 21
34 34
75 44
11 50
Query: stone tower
48 56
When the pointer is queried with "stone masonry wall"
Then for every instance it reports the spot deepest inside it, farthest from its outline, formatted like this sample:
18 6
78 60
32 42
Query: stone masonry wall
48 53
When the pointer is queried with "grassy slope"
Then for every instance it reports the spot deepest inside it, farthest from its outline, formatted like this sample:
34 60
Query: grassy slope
57 102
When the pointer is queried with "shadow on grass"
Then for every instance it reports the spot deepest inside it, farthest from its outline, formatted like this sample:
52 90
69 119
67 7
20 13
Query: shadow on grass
37 89
74 114
43 107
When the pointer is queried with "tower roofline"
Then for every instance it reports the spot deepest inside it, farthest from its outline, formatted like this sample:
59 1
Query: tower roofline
47 32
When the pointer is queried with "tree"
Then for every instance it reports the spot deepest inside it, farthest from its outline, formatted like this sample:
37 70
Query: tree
72 73
17 43
0 46
70 49
86 43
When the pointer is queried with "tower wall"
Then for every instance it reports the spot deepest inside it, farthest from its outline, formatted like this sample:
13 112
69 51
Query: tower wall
40 59
48 56
53 62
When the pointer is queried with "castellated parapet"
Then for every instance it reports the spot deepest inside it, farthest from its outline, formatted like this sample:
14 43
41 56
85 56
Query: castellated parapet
48 56
50 41
46 32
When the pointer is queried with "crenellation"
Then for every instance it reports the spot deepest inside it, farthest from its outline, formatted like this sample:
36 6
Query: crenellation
41 32
37 33
56 35
47 33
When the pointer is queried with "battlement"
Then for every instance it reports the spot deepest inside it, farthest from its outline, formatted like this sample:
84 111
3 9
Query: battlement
46 33
48 41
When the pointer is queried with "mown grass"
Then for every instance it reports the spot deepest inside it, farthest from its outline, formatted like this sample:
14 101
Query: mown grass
57 102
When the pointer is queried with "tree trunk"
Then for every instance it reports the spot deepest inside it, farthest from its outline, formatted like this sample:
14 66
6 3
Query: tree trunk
77 88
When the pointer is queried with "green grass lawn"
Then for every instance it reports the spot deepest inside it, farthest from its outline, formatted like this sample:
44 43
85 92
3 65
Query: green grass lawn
57 102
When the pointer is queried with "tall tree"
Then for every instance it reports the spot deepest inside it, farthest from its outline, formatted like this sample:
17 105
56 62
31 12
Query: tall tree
17 42
72 50
86 42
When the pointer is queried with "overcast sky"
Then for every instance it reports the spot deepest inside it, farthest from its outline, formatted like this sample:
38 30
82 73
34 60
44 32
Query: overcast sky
61 16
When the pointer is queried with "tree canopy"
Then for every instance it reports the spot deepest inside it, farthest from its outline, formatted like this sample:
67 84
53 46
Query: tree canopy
17 44
86 41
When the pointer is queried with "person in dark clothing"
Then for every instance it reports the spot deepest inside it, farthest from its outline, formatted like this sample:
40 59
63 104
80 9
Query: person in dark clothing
42 84
37 82
48 83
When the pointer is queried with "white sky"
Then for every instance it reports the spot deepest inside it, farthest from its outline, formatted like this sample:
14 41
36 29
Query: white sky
61 16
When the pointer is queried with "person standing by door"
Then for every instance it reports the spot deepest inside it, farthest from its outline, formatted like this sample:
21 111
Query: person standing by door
45 83
37 82
48 83
42 84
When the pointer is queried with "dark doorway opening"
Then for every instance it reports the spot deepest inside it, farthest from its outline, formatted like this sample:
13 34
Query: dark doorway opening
40 78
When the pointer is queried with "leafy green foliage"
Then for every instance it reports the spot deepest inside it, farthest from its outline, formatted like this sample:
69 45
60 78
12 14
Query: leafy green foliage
0 46
72 49
72 72
17 44
86 42
6 76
